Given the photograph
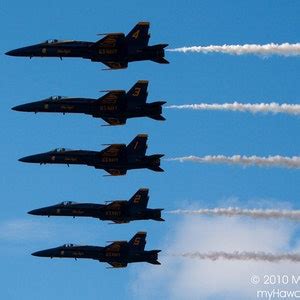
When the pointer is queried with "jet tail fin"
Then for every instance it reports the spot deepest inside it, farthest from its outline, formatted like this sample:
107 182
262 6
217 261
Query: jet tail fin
140 199
137 95
138 242
138 37
138 145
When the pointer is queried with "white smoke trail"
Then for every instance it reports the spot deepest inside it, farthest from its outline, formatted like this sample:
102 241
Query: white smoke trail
275 108
269 161
244 256
285 49
236 211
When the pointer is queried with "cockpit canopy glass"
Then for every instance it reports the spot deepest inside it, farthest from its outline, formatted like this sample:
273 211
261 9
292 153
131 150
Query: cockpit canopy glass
60 150
56 98
51 41
66 203
68 245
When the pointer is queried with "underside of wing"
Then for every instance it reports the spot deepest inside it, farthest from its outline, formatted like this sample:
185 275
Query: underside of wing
116 172
115 121
115 65
116 264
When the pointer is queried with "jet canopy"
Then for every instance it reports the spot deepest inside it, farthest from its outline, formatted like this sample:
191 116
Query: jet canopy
66 203
51 41
68 245
56 98
54 41
60 150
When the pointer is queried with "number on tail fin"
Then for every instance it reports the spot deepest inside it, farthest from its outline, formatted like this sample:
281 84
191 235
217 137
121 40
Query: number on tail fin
138 145
140 199
138 37
138 242
137 95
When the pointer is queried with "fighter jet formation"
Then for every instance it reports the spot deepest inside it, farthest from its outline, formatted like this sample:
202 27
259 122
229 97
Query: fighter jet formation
118 254
115 50
115 107
119 211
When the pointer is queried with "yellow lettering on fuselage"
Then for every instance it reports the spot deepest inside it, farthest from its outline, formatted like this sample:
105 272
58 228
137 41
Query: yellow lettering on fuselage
113 213
108 107
67 107
72 159
108 51
63 51
110 159
112 254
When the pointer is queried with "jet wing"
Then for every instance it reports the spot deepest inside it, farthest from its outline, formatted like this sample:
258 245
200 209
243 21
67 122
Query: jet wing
115 65
116 172
113 150
111 40
116 264
113 102
112 97
114 121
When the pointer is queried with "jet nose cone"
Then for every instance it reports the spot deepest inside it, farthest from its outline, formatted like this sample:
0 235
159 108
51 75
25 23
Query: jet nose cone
19 108
15 52
42 253
10 53
25 159
25 51
45 253
32 159
34 212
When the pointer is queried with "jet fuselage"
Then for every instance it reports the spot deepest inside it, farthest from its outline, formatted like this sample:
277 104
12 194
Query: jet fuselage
121 254
88 50
117 211
94 107
94 158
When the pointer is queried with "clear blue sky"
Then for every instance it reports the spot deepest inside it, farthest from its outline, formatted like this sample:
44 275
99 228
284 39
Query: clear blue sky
190 78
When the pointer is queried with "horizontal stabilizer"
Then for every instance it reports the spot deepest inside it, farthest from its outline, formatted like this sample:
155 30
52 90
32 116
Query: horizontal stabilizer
154 262
156 169
160 60
154 162
154 257
158 117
